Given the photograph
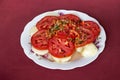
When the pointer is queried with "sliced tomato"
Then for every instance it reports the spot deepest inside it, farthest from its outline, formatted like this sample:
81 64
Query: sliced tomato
40 40
47 22
73 34
85 36
61 34
59 47
92 26
70 17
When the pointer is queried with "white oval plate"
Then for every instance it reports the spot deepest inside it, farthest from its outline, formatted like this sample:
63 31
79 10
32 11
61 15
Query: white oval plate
25 42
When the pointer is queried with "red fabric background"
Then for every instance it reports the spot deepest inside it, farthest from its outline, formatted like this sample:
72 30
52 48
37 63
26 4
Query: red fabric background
15 14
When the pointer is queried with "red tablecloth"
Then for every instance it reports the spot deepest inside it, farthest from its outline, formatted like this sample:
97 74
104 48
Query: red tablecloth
15 14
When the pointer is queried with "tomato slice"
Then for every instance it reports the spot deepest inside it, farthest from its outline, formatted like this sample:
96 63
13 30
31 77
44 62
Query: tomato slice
92 26
47 22
85 36
73 34
60 47
70 17
62 34
40 40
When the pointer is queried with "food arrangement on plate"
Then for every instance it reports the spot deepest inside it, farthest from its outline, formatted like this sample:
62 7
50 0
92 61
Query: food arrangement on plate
62 36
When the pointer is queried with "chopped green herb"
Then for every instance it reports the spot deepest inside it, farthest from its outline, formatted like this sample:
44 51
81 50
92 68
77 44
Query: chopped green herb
80 42
77 28
70 39
56 27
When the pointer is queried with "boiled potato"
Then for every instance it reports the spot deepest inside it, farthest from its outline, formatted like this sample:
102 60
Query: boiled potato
33 30
89 50
39 52
61 60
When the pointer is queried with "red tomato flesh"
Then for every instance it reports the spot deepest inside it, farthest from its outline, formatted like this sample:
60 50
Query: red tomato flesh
47 22
40 40
59 47
92 26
